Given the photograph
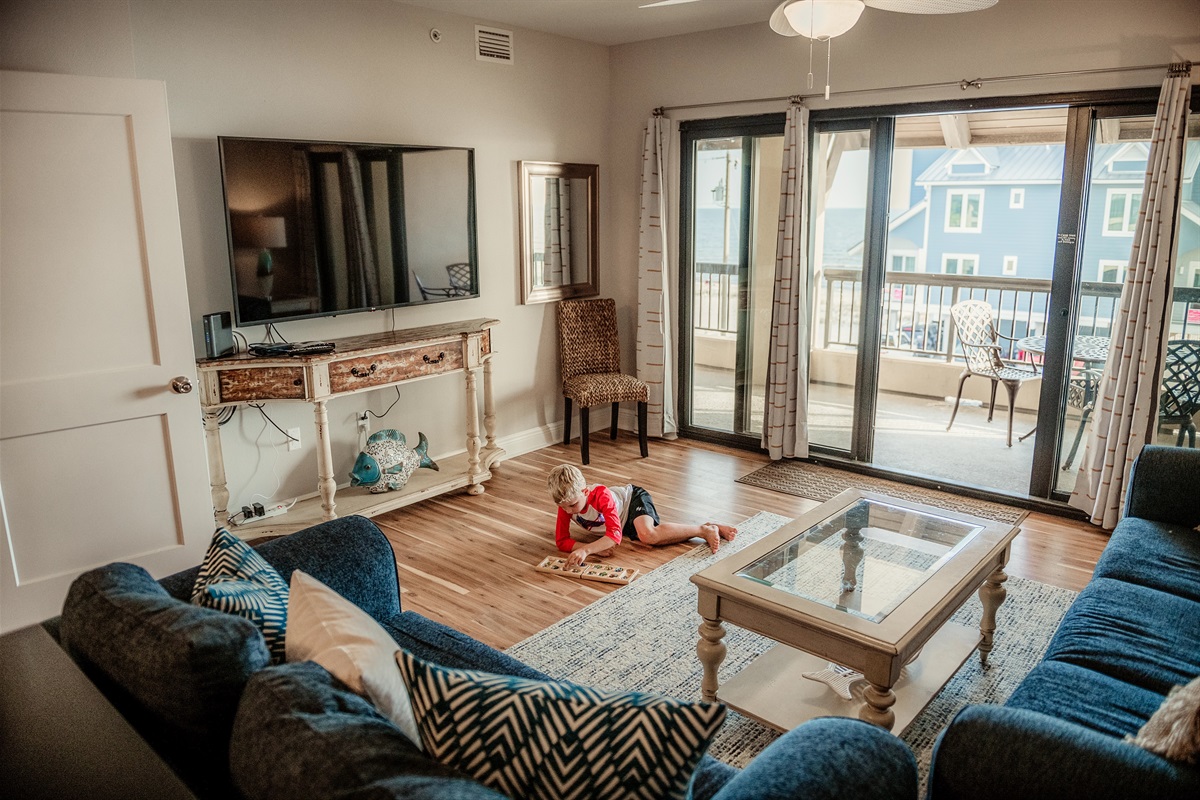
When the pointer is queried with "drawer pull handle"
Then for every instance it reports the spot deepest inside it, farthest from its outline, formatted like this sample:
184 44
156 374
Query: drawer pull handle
440 358
363 373
298 382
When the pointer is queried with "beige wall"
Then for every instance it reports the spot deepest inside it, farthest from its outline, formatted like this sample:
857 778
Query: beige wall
365 70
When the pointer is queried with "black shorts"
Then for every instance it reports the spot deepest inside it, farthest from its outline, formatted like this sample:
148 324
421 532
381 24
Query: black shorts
640 505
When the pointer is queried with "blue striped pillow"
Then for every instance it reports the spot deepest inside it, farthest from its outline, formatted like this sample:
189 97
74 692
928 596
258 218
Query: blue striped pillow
542 740
235 579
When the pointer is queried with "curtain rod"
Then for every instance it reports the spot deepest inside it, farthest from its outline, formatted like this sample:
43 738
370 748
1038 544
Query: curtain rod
963 84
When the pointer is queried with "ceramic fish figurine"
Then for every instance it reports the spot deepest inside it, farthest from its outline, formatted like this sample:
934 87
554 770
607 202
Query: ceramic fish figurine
388 462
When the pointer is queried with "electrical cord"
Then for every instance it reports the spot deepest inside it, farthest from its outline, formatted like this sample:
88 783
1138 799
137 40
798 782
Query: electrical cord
263 411
245 341
389 408
272 333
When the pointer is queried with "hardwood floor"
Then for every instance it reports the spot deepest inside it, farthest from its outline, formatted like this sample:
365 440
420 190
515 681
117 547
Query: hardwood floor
468 561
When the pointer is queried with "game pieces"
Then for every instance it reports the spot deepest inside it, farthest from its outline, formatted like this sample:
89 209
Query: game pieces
595 571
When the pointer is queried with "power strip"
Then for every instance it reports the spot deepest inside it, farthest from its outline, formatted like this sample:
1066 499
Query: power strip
270 511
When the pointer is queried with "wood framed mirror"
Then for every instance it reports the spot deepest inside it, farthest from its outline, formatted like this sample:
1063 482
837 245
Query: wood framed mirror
558 230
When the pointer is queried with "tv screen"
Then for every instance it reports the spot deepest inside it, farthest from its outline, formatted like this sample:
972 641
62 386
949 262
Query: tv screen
324 228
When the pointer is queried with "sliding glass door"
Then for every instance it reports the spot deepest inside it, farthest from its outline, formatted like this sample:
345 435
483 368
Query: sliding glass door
729 218
1021 215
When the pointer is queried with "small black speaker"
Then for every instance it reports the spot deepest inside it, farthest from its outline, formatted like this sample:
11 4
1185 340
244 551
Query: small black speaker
218 334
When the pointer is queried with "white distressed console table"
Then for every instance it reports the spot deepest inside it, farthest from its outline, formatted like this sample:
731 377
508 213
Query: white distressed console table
358 364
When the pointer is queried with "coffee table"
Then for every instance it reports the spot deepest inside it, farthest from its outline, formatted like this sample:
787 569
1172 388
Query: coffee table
864 581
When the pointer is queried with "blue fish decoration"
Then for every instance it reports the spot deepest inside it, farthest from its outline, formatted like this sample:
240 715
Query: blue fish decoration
387 462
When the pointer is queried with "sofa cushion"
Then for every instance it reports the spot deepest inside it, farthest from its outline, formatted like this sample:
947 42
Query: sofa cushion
187 665
433 641
235 579
546 739
328 629
1155 555
1085 697
175 670
1141 636
301 733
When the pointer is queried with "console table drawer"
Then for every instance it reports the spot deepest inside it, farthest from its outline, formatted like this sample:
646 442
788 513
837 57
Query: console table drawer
267 383
388 368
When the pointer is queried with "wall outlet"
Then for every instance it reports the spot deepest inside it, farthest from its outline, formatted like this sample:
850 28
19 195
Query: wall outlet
294 440
364 423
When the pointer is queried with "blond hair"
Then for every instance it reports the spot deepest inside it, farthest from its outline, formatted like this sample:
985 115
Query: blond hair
565 483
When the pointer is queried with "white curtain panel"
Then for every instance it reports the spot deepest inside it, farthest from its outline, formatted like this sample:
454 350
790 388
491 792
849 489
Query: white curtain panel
785 423
1127 415
655 320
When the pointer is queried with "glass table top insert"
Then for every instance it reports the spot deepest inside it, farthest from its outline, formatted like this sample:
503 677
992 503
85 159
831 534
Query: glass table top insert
865 560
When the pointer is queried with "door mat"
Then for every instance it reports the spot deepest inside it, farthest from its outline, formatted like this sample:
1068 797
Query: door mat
817 482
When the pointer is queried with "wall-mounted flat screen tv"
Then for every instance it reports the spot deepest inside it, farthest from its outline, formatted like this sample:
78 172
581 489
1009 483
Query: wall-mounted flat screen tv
324 228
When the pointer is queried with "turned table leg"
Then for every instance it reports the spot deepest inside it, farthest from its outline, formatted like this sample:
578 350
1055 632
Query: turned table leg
877 709
216 467
473 469
326 484
711 651
991 594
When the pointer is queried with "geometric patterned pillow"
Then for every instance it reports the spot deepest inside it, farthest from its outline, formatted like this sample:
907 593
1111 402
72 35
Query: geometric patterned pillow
235 579
546 740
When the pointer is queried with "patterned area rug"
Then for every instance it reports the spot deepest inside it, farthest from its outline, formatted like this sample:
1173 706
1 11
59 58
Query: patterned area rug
817 482
643 636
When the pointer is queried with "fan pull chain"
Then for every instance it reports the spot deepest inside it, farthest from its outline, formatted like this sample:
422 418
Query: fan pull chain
828 64
810 49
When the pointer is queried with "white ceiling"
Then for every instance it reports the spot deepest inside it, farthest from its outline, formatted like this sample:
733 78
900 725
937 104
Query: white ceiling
609 22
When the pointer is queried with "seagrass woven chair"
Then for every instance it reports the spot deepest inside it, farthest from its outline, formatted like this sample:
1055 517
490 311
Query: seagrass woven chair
980 343
1180 398
589 356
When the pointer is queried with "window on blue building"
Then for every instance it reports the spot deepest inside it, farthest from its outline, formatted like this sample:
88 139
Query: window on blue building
1112 270
956 264
964 210
1016 198
1121 212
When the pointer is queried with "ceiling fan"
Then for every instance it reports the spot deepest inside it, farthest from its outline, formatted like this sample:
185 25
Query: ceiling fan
821 20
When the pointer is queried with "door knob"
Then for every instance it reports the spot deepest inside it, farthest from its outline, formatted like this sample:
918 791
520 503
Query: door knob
181 385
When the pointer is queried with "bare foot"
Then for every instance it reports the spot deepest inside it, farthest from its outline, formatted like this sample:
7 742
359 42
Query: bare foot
726 532
712 535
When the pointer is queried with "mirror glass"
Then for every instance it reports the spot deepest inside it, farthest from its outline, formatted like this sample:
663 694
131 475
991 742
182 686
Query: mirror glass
318 228
558 230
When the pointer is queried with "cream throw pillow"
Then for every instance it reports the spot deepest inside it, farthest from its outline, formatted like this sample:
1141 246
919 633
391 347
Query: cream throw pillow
327 628
1174 730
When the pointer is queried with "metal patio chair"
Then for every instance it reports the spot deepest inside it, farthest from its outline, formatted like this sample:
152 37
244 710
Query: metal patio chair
460 277
980 343
1180 398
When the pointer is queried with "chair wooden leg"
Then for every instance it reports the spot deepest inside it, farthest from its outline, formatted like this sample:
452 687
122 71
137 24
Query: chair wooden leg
1011 387
584 429
566 420
642 414
957 399
612 432
992 405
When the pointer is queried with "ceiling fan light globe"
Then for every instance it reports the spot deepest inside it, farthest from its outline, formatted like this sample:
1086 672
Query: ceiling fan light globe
822 19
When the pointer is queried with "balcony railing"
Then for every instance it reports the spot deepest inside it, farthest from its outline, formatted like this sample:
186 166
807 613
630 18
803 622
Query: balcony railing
916 307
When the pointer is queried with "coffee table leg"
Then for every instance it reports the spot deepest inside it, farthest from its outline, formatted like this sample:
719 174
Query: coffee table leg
991 594
711 650
877 709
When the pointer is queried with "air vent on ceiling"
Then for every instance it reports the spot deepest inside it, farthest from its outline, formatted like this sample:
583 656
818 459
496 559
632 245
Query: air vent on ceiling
493 44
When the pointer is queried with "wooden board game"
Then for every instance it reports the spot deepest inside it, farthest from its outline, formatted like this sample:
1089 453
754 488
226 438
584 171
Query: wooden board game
591 571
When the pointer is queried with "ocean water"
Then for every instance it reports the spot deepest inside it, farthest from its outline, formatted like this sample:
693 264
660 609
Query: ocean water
843 230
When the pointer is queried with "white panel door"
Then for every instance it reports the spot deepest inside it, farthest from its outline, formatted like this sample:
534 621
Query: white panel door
100 458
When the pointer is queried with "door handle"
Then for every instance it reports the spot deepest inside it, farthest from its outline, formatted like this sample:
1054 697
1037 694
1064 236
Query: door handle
181 385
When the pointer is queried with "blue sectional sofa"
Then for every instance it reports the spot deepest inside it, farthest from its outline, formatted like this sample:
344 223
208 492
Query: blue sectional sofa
1131 635
198 686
